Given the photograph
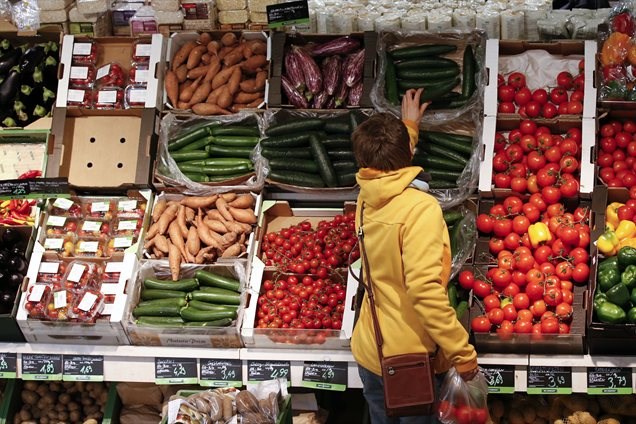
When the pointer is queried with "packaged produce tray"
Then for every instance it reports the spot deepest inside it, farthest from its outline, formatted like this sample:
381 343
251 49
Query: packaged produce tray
22 151
613 81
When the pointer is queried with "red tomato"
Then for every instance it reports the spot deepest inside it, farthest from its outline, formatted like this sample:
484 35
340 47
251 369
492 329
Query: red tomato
491 301
623 139
502 180
481 288
570 188
549 111
605 160
495 316
533 109
527 127
564 80
538 308
558 96
517 80
607 130
506 107
523 327
480 324
485 223
550 326
506 93
519 184
569 164
553 296
502 227
534 291
577 96
521 301
629 126
607 174
523 96
575 108
581 273
520 224
466 279
540 95
501 278
624 213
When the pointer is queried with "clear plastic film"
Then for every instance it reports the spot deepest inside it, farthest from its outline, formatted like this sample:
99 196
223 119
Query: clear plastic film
5 10
169 173
392 40
459 398
26 15
465 241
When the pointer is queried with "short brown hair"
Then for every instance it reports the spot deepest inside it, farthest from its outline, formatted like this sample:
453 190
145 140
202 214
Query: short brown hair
382 142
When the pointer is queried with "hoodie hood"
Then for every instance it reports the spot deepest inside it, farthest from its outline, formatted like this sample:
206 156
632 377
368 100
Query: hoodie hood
378 187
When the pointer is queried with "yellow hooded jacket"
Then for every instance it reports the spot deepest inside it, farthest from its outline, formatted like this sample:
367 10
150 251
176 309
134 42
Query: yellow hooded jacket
408 247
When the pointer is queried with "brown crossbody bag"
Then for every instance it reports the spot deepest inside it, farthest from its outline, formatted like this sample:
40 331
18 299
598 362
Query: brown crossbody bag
408 379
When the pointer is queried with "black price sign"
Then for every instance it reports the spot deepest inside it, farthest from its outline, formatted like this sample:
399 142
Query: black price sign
83 368
268 370
35 188
220 372
8 365
290 13
609 381
549 380
325 375
41 367
500 379
176 371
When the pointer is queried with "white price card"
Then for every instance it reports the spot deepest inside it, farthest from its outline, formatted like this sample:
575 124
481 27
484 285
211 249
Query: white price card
127 205
53 243
114 267
79 72
59 299
122 242
100 206
75 275
82 49
143 50
49 267
103 71
36 293
91 226
87 302
107 96
56 221
76 96
127 225
63 203
88 246
137 96
141 75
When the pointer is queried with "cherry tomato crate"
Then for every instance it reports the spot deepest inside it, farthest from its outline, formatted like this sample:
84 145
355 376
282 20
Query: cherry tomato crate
605 117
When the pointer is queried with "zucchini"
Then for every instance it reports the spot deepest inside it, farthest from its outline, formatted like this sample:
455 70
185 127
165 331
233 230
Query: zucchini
336 142
467 139
429 161
452 295
228 152
207 278
461 309
449 142
341 155
157 311
190 136
300 153
347 179
323 161
197 145
454 235
452 217
181 285
151 294
204 306
216 295
438 151
450 104
441 185
160 321
301 179
344 166
219 178
235 130
404 84
302 165
197 177
468 73
191 314
437 91
416 52
217 161
289 140
296 126
181 156
442 174
426 63
390 81
338 126
427 74
164 302
224 322
235 141
216 170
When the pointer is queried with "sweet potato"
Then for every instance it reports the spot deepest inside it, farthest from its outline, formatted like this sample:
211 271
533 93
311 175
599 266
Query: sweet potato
153 230
224 52
194 58
228 197
183 105
181 221
256 103
176 238
229 238
233 250
222 207
195 202
190 214
204 233
161 243
225 98
182 54
215 225
222 77
213 69
234 57
182 73
157 254
199 259
202 93
254 64
198 71
237 227
229 39
216 215
188 92
205 38
246 98
167 217
258 47
160 206
235 80
237 107
213 47
206 58
243 201
172 87
255 85
207 109
214 96
174 259
242 215
247 51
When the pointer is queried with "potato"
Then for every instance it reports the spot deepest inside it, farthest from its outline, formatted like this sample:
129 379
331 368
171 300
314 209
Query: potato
64 398
63 416
75 416
44 420
87 401
73 406
55 387
25 415
30 385
90 421
60 407
29 397
50 398
42 390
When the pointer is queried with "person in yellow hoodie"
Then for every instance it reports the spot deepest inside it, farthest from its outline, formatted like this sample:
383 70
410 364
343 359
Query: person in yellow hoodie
408 249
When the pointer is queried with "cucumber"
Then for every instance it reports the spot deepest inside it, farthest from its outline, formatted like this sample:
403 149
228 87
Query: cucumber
452 295
347 179
164 302
217 162
338 126
323 161
426 63
467 139
228 152
181 156
207 278
296 126
235 130
468 73
290 140
300 153
151 294
224 322
157 311
181 285
197 145
449 142
454 234
160 321
427 74
461 309
337 142
191 135
452 217
219 178
302 165
344 166
301 179
341 155
216 295
450 104
429 161
204 306
442 174
216 170
432 84
438 151
191 314
441 185
390 80
197 177
416 52
235 141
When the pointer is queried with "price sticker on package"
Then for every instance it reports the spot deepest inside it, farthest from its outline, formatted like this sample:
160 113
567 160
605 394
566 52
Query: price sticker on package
549 380
56 221
176 371
127 205
220 372
8 365
83 368
143 50
268 370
61 202
609 381
500 379
325 375
41 367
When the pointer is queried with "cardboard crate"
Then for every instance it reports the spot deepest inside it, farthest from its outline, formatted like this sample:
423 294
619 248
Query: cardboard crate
605 116
282 40
496 49
211 337
492 125
101 28
22 150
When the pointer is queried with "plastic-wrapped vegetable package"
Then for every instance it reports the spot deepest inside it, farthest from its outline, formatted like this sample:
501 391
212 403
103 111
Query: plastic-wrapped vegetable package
26 15
463 244
463 401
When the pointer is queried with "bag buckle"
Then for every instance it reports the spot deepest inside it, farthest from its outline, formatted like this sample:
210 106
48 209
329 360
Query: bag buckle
390 371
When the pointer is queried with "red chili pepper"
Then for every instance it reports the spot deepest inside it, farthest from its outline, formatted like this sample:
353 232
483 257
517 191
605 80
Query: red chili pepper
34 173
13 205
25 208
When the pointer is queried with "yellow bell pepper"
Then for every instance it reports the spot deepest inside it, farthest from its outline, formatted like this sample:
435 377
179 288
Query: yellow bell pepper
626 229
609 227
631 242
539 233
608 244
611 213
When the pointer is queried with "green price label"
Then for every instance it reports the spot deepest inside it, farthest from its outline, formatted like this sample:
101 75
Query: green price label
8 365
176 371
549 380
268 370
609 381
220 372
325 375
41 367
83 368
500 379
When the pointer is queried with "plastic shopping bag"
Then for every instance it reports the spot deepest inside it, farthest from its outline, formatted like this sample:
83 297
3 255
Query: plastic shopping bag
463 402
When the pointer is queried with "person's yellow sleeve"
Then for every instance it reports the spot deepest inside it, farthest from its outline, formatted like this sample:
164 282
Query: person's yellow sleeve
414 131
425 245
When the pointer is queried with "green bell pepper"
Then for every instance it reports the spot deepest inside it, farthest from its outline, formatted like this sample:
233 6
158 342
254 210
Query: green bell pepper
599 299
610 313
626 256
628 277
608 278
609 263
632 298
631 316
619 295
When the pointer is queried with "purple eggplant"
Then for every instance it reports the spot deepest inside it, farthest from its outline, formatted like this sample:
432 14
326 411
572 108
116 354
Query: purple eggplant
331 74
341 95
294 97
340 45
355 94
313 77
320 100
353 68
294 71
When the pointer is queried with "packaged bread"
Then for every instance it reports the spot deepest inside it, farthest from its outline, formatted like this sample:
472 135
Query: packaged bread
233 16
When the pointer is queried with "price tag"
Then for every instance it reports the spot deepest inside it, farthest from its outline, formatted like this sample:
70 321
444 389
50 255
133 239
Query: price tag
549 380
87 246
91 226
87 302
290 13
114 267
36 293
107 96
137 95
609 381
56 221
143 50
59 299
76 96
41 367
500 379
61 202
122 242
127 205
100 206
142 76
8 365
325 375
83 368
82 49
220 373
268 370
79 72
127 225
76 273
176 371
53 243
49 267
103 71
